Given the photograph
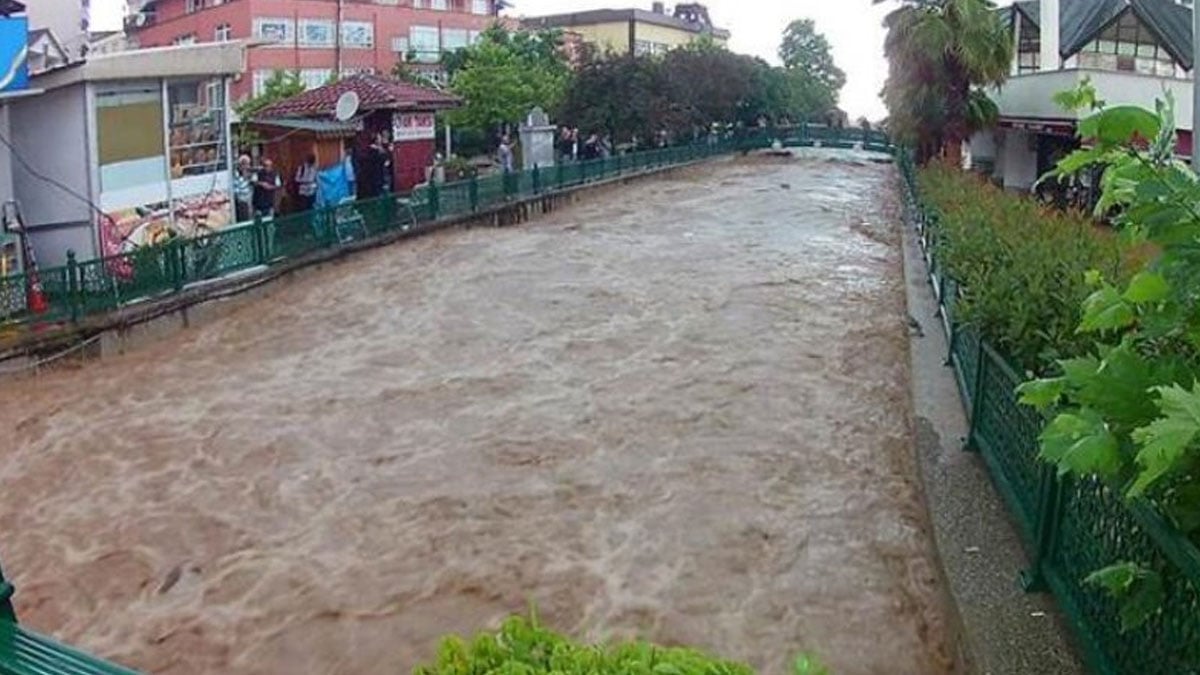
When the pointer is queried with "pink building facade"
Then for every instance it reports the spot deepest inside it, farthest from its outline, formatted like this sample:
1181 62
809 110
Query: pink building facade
374 34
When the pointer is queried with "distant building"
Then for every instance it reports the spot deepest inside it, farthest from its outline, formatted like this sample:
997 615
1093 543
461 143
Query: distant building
107 42
45 51
140 147
1132 51
635 31
372 36
67 20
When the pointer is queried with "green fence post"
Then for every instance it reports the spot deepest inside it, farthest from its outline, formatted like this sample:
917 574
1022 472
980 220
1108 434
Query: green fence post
976 397
1049 518
6 593
537 179
473 192
433 200
562 175
73 295
582 172
261 254
174 259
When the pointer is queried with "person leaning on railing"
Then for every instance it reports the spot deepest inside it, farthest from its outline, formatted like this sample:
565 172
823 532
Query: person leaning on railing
243 190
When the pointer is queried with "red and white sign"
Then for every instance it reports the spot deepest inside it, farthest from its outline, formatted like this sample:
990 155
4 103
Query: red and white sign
413 127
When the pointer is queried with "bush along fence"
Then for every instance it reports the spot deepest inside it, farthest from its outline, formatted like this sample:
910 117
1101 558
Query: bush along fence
80 288
1070 527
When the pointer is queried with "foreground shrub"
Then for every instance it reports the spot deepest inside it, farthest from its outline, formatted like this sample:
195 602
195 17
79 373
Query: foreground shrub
523 647
1021 265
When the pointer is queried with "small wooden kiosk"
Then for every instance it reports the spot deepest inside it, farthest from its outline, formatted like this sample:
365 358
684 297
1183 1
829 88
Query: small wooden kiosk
401 111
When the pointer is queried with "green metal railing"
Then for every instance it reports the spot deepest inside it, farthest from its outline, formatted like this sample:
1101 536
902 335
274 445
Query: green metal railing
82 288
1070 527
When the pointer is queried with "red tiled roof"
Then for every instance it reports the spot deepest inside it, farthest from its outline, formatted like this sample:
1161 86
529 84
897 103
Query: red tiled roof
374 93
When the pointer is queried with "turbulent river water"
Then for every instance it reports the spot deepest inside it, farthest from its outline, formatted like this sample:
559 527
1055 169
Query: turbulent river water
677 410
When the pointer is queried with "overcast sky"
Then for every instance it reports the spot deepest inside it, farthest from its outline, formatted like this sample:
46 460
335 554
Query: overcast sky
852 27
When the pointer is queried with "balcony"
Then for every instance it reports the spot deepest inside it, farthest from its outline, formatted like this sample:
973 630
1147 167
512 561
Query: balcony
1032 96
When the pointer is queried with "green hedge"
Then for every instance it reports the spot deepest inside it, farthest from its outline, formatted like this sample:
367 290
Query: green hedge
523 647
1021 265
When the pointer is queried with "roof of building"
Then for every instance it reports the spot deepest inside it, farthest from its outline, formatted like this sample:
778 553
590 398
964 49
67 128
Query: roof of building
374 93
598 16
1081 21
11 7
208 59
319 127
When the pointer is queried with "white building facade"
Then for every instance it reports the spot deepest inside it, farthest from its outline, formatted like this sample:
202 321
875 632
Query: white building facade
1132 52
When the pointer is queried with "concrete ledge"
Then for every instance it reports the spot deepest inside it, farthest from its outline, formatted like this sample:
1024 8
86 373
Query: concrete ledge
153 319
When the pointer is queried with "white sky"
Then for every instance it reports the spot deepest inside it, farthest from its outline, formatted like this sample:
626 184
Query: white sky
852 27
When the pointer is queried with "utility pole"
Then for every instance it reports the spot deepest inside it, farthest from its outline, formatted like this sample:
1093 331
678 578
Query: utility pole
1195 85
337 36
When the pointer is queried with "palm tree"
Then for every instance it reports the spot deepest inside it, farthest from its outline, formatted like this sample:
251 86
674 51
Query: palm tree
941 53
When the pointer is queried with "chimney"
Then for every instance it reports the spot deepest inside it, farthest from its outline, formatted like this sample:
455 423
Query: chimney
658 8
1049 20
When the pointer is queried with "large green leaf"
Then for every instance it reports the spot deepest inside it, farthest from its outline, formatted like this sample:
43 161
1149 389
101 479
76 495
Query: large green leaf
1120 124
1105 310
1081 443
1042 393
1165 441
1147 287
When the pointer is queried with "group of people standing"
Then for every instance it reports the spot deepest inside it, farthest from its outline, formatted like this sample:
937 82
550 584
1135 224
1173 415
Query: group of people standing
571 150
255 190
258 191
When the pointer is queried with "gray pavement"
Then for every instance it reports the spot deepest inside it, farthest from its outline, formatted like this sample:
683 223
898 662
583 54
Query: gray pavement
1006 630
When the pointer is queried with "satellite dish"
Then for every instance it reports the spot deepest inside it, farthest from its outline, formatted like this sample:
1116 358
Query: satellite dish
140 20
347 106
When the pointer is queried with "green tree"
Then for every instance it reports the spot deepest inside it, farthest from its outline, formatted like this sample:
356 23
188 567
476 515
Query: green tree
281 85
941 54
504 75
806 50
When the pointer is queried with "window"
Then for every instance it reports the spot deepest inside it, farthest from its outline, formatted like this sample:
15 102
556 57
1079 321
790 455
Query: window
400 45
275 30
441 5
315 77
261 77
358 34
481 7
647 48
454 39
473 36
315 33
193 6
223 33
424 41
1128 45
1029 48
189 39
197 123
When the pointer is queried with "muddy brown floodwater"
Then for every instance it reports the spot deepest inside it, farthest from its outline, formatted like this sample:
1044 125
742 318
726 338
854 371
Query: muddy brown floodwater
677 410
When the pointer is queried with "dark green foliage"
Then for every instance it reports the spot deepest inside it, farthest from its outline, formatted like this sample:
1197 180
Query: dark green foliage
1022 266
690 88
